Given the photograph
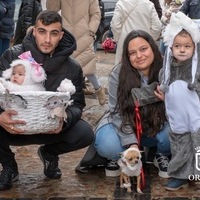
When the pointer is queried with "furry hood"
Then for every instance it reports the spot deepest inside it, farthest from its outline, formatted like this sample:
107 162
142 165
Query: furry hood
34 72
178 22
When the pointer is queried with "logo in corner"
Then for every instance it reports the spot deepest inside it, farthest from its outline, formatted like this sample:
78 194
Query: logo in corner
197 158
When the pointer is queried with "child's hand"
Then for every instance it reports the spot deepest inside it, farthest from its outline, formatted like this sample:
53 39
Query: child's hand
159 93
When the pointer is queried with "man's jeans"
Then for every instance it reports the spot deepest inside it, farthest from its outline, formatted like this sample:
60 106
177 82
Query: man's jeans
108 144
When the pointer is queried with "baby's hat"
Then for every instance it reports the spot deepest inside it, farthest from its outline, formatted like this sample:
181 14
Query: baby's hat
34 72
178 22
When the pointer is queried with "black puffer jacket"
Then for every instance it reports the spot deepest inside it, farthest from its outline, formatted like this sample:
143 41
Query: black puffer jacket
7 9
28 12
57 67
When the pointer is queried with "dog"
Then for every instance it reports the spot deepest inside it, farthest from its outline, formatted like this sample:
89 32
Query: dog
131 165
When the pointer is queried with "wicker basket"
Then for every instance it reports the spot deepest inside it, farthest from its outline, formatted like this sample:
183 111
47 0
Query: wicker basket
36 108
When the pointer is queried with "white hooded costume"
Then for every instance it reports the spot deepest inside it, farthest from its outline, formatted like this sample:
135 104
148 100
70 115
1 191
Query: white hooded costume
181 83
34 77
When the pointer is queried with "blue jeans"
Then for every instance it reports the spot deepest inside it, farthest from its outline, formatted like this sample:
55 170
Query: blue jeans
108 144
4 45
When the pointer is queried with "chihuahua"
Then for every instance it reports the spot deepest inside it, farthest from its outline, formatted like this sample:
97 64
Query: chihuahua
131 165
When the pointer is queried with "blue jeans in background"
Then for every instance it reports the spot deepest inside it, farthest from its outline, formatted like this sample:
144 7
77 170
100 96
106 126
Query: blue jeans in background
4 45
108 144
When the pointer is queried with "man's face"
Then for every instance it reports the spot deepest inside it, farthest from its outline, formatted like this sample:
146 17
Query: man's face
47 37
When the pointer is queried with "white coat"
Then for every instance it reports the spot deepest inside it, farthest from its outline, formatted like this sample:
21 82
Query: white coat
134 15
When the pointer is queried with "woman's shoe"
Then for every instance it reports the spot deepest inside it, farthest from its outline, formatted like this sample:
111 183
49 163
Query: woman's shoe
101 96
176 184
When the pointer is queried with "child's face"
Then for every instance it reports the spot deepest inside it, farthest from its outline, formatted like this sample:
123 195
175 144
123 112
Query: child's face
183 47
18 74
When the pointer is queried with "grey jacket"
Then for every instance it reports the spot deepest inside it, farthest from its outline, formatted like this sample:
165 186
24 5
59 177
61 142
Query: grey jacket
126 138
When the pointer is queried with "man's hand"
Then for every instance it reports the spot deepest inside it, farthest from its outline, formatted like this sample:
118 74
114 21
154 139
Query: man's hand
8 124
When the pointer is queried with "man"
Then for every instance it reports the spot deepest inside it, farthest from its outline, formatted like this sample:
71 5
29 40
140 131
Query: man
82 18
52 46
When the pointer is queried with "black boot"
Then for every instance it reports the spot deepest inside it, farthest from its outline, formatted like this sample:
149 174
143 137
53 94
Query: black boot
8 175
51 169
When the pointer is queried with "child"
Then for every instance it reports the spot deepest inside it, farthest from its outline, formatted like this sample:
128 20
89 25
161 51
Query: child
24 75
181 84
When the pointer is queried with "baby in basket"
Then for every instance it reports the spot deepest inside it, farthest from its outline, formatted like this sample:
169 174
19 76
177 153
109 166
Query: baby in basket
24 74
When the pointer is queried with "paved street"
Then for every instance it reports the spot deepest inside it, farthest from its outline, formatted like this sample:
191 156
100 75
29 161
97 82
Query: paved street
95 185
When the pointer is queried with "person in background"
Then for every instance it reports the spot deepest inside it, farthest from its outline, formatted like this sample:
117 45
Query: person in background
170 6
51 45
191 8
84 30
180 83
29 9
116 131
7 25
133 15
157 7
100 29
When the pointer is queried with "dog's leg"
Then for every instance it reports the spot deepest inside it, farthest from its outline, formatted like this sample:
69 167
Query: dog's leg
138 184
127 183
121 180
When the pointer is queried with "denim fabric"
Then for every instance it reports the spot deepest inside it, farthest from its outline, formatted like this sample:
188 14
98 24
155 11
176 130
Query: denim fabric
108 144
4 45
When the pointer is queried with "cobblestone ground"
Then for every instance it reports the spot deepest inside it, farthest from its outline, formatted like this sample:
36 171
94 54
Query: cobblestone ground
92 186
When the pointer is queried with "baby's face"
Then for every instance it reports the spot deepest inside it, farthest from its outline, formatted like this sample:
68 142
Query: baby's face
18 74
183 47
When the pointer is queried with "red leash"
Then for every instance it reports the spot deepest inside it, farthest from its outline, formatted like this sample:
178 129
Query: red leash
138 135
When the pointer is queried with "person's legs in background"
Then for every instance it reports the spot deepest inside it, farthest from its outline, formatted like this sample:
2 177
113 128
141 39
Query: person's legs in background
99 90
4 45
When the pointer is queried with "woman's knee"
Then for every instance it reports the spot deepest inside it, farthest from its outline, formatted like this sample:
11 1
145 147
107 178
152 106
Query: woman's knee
107 142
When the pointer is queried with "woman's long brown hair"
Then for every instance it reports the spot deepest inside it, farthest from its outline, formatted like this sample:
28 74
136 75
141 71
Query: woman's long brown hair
153 115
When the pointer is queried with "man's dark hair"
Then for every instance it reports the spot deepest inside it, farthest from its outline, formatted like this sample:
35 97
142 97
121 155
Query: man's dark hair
48 17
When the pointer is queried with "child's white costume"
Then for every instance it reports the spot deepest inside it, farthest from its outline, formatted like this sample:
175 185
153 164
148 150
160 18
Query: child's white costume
34 75
181 83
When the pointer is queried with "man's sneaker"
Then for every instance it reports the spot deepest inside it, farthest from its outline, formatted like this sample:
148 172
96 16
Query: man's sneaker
161 162
112 169
8 175
176 184
51 169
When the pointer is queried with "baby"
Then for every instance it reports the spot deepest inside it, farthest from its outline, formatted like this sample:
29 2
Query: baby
24 74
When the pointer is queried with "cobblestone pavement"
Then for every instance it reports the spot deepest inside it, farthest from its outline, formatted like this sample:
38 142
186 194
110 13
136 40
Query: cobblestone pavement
95 185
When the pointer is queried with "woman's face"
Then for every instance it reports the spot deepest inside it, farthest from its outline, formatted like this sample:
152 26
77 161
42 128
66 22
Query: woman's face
141 55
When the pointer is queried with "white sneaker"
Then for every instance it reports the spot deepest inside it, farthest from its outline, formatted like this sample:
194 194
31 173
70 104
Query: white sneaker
112 169
161 162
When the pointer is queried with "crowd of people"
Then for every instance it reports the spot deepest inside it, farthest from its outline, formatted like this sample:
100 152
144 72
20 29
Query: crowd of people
157 56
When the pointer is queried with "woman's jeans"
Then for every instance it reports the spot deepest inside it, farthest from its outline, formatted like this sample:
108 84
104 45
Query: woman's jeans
108 144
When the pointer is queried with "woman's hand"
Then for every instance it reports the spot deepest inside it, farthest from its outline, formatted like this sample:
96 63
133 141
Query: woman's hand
8 124
159 93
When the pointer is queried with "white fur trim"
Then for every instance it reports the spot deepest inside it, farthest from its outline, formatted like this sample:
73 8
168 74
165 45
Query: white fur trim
31 76
178 22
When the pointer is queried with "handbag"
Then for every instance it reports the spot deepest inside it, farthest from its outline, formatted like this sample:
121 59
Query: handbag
108 44
145 95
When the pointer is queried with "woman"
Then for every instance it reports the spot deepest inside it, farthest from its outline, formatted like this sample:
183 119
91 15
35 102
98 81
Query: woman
116 131
134 15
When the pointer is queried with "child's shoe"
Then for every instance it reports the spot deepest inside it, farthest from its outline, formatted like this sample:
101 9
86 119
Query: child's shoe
176 184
